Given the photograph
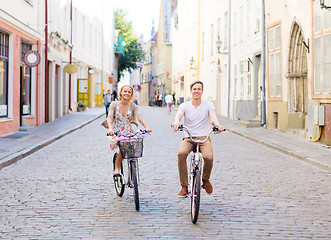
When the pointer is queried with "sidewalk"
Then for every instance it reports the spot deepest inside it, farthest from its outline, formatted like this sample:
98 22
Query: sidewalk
290 144
19 145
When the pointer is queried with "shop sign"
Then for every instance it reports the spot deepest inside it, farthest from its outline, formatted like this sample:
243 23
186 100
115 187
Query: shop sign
31 58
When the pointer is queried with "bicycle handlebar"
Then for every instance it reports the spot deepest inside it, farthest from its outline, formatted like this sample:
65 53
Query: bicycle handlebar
118 134
183 128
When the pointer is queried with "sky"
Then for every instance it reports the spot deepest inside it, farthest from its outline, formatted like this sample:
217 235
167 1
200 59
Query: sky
139 12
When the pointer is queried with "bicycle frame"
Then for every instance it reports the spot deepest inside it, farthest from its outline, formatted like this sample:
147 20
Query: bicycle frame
130 176
196 163
127 171
195 174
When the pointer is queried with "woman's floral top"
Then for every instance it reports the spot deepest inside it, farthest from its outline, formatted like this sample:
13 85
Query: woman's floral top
120 124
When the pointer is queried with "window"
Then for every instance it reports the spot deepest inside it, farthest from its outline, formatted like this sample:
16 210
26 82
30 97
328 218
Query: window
248 19
211 40
274 53
235 28
226 22
203 46
241 18
235 81
91 35
322 50
257 16
25 81
4 46
249 81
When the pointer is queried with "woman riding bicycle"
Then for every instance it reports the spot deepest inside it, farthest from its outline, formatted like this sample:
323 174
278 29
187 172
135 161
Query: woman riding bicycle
121 115
197 115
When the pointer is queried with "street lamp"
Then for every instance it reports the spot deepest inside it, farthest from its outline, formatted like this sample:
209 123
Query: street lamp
219 45
322 4
192 62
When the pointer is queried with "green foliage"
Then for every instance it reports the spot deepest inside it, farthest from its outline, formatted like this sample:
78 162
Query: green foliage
133 50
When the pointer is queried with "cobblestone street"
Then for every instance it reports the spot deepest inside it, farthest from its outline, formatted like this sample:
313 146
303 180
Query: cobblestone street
66 191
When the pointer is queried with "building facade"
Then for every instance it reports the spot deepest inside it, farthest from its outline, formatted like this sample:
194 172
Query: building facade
34 88
20 81
298 63
164 50
185 49
148 73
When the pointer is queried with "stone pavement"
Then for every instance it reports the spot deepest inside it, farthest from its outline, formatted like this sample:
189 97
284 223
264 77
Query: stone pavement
65 191
21 144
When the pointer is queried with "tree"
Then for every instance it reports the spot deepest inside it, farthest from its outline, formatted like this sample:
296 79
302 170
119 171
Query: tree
133 49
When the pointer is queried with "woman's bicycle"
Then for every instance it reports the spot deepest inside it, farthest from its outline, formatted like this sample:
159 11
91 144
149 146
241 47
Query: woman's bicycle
131 148
195 173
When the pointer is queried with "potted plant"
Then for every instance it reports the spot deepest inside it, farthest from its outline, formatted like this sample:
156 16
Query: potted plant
81 107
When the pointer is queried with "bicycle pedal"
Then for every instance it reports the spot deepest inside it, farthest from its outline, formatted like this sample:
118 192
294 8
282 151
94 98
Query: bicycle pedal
117 177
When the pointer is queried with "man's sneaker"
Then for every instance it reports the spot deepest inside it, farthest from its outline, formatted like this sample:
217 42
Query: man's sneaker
183 192
207 186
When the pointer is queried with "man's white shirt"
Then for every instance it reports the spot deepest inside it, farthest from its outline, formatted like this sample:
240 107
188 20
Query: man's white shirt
197 119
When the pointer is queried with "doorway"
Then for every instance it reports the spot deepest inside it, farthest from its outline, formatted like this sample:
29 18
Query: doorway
297 79
257 85
25 92
83 91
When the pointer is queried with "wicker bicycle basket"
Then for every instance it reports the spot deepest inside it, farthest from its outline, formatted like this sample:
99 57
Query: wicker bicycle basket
131 148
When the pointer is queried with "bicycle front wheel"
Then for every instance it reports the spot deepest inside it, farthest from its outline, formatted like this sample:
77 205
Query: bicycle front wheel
135 184
118 181
195 195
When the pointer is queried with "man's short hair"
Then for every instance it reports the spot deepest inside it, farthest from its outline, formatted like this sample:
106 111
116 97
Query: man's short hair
196 82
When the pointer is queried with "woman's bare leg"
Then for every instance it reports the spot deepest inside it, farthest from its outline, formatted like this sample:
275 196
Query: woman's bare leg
119 160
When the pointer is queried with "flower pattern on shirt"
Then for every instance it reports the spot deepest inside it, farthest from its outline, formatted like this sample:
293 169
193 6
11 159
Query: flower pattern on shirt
120 124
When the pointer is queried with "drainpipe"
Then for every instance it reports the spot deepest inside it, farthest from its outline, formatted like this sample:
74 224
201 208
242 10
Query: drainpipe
263 57
46 62
229 60
70 54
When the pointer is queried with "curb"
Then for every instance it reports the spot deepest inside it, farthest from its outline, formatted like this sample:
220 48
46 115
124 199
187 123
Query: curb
15 157
283 150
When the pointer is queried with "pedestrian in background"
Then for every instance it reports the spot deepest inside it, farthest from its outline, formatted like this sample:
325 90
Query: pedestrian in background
107 100
168 101
114 95
157 97
160 99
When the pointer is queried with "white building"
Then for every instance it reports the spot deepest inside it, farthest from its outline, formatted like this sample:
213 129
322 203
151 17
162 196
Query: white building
232 37
93 40
184 39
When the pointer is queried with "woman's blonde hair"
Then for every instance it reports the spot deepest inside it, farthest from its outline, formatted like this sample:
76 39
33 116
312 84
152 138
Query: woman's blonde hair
120 94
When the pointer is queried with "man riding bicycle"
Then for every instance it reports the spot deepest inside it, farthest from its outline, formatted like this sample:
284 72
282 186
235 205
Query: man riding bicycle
197 115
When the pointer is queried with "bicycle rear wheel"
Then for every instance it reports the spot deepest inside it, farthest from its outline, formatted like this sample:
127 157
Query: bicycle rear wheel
135 184
118 181
195 195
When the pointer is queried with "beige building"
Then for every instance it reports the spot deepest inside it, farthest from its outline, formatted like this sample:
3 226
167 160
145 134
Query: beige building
148 73
298 68
163 48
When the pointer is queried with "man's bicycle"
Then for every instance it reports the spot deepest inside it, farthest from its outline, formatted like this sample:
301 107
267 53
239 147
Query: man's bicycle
131 148
195 173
